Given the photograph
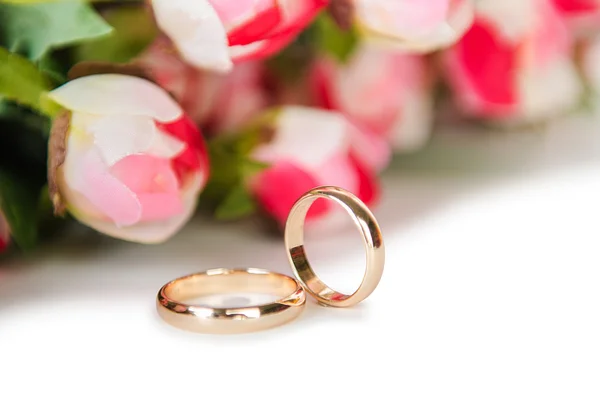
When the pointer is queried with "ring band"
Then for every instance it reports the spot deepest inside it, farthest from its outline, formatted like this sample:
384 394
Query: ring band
371 233
204 319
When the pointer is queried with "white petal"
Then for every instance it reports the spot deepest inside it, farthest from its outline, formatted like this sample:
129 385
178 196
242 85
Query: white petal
165 146
413 129
550 90
197 32
113 94
240 51
120 136
307 136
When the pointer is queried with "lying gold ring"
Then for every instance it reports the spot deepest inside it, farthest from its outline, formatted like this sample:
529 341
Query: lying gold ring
204 319
371 233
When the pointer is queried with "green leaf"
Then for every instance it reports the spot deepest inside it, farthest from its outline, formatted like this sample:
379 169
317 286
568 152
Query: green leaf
134 30
19 203
333 40
21 81
226 193
33 29
248 168
238 204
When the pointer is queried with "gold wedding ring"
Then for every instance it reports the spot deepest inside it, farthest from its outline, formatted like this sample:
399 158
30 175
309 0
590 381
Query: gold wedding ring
204 319
369 229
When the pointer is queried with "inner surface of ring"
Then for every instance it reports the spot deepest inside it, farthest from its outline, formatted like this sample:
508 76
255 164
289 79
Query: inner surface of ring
298 251
200 285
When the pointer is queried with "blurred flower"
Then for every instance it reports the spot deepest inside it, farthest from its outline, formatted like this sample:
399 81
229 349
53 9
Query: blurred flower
4 233
515 63
212 34
591 63
221 102
583 16
307 148
387 94
124 159
415 25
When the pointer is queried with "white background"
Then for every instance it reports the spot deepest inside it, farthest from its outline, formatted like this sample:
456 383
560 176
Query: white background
491 288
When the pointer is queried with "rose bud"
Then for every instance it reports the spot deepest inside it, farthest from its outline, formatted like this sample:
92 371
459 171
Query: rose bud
421 26
222 102
212 34
387 94
124 158
515 63
582 16
308 148
4 233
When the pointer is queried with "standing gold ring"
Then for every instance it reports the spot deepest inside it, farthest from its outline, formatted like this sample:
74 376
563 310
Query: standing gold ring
204 319
371 233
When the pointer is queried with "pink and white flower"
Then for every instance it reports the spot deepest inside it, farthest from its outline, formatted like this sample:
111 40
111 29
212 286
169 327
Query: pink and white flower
133 162
309 148
387 94
213 34
4 233
583 16
515 63
221 102
415 25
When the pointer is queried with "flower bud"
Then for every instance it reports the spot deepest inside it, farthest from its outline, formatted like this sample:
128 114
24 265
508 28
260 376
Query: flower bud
124 158
308 148
212 34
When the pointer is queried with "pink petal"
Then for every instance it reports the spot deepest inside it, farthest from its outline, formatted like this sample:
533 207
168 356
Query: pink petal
194 159
338 171
248 21
105 192
483 69
262 49
298 14
155 184
368 185
4 233
278 188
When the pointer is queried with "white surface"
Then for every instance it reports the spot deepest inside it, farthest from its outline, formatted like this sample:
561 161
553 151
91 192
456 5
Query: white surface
491 288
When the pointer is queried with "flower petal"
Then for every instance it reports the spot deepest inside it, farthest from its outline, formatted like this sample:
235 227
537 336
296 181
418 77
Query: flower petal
278 188
4 233
196 30
119 136
154 183
109 195
308 137
115 94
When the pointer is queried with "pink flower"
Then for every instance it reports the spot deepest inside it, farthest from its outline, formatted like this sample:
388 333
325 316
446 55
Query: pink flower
4 233
221 102
125 159
387 94
583 16
415 25
212 34
309 148
515 63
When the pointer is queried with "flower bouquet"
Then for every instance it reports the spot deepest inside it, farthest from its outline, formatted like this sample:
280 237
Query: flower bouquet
128 115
